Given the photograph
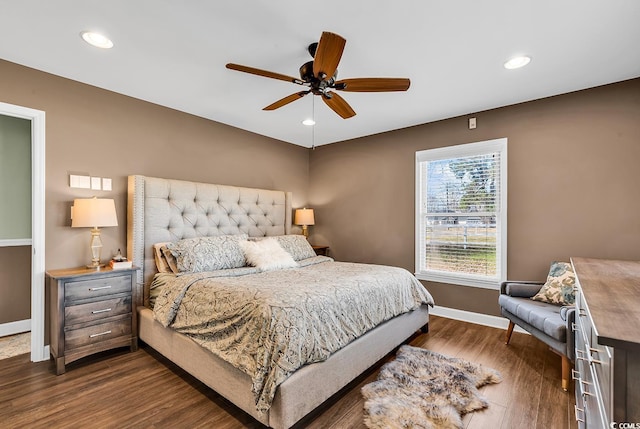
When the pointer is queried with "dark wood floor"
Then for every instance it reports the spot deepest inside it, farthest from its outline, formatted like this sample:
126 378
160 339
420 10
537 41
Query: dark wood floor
143 390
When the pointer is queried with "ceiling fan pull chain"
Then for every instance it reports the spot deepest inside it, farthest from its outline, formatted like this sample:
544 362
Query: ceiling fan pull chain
313 128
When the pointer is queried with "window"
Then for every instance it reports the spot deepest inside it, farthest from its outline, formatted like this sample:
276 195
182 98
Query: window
461 214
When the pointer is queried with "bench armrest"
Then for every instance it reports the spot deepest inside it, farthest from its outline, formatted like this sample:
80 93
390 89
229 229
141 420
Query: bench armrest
520 289
568 313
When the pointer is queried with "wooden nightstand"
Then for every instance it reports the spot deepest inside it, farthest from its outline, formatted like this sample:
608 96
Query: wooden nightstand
321 250
91 311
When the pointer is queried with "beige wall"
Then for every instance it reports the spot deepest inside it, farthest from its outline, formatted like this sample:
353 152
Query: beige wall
104 134
101 133
573 175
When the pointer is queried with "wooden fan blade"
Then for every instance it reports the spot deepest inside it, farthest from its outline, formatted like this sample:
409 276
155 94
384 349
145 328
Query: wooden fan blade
338 105
374 84
328 55
264 73
286 100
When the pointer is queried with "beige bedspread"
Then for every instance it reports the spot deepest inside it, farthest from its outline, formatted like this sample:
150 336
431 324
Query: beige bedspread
269 324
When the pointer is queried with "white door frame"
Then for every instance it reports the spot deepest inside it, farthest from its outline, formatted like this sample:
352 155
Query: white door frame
37 117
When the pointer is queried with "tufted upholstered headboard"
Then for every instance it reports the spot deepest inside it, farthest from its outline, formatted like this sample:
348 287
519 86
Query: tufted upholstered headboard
161 210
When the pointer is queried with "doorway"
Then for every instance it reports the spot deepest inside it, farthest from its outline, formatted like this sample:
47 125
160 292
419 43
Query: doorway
36 120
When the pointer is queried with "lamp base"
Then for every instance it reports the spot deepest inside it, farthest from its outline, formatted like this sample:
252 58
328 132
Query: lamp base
96 267
96 247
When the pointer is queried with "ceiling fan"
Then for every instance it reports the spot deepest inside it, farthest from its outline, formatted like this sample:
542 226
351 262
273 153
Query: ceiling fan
320 75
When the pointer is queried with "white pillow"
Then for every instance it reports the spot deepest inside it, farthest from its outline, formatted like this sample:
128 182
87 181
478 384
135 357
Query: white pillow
267 255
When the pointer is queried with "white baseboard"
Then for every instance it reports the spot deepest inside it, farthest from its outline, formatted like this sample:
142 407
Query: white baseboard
45 353
471 317
13 328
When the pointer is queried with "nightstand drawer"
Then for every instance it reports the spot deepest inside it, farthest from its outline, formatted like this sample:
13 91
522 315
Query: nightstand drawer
96 333
98 310
86 289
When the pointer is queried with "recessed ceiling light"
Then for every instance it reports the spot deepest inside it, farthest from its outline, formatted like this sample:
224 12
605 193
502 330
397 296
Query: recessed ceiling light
517 62
96 39
309 122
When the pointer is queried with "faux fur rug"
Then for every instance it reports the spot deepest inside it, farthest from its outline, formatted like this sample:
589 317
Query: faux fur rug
424 389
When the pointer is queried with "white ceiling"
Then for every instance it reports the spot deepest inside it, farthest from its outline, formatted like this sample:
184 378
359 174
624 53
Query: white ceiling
173 53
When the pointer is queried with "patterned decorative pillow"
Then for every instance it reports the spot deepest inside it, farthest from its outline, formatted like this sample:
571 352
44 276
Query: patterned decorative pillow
559 286
165 261
267 255
161 260
170 260
199 254
297 246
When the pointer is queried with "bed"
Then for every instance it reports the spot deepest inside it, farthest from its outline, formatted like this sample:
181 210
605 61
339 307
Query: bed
169 211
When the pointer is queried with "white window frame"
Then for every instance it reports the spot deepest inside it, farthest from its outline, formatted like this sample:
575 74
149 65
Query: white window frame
470 149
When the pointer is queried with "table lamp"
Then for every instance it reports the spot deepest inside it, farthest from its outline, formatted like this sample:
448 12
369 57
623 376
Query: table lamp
304 217
94 213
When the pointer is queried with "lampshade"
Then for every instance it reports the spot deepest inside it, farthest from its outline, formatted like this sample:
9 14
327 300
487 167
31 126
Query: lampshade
304 217
94 213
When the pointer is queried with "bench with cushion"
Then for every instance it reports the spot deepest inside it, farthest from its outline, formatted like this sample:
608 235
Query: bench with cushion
550 323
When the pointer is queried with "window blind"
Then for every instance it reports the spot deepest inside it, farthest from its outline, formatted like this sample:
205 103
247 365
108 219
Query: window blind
461 214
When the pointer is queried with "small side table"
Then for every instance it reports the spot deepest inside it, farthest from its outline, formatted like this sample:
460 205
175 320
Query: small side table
321 250
91 311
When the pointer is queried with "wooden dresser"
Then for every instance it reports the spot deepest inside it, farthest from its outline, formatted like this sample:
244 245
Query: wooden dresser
91 311
607 334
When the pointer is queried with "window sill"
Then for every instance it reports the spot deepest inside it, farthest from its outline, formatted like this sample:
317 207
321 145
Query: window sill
480 282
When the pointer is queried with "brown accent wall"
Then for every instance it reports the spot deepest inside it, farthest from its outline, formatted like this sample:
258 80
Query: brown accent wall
15 283
101 133
573 175
105 134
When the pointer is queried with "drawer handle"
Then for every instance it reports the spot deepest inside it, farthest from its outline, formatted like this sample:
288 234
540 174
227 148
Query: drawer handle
100 311
579 355
578 410
585 392
582 312
100 288
592 360
584 387
574 327
575 375
100 334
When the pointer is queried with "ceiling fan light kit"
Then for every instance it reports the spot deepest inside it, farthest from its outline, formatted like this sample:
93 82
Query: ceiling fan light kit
320 76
